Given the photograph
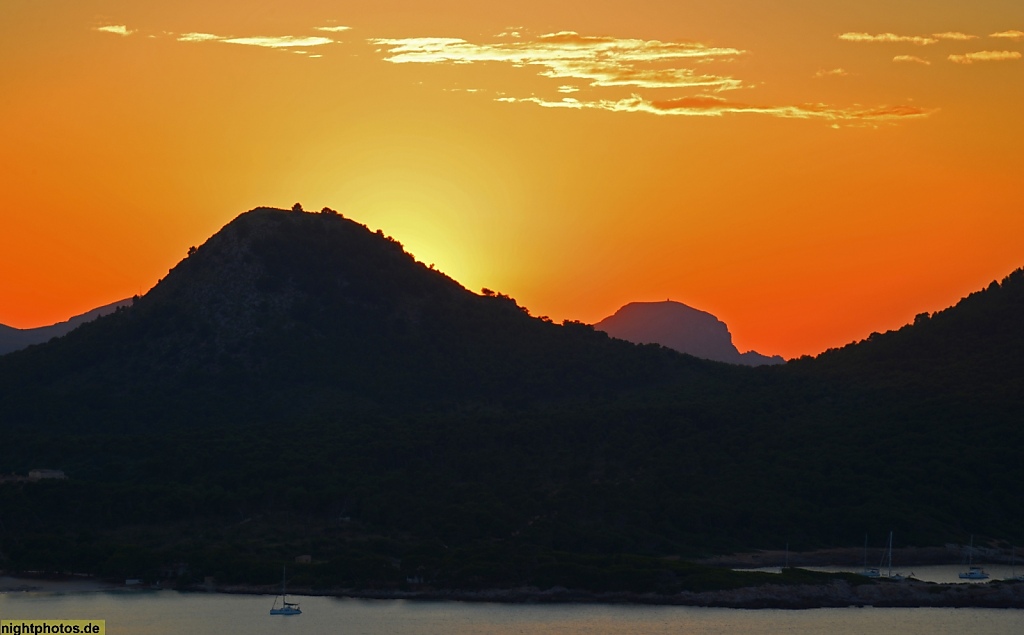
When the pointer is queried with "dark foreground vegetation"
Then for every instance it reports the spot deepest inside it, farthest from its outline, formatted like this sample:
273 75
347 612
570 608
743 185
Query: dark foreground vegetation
300 386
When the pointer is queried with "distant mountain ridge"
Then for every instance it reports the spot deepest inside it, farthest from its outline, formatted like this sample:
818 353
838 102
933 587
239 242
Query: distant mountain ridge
681 328
301 382
12 339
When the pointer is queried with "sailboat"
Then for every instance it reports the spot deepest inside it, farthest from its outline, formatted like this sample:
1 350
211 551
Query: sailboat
286 608
888 556
1013 567
872 572
973 572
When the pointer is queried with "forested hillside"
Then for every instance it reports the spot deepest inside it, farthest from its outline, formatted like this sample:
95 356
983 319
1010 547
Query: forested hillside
301 385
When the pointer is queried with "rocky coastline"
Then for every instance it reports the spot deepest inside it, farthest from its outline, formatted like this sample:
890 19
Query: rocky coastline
837 594
854 557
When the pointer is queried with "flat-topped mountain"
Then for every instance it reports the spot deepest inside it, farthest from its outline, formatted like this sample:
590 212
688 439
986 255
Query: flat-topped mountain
681 328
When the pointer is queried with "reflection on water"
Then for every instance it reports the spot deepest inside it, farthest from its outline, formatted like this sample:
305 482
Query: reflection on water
172 613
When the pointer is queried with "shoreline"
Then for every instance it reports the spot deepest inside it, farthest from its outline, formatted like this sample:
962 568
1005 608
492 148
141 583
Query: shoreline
55 584
839 593
854 557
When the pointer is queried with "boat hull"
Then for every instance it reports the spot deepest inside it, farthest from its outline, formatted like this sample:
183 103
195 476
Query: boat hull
974 573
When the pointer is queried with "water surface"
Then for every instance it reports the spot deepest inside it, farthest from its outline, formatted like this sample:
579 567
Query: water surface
174 613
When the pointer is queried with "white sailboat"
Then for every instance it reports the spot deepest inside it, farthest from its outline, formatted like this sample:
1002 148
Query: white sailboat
871 572
286 608
1013 566
888 557
973 572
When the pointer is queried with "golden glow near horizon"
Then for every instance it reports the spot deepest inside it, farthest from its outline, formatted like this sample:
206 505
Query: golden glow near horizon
807 173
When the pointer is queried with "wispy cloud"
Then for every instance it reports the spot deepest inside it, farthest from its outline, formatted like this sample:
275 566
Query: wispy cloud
985 56
513 31
281 41
911 59
889 38
199 37
1009 35
602 61
954 35
274 42
609 62
118 29
835 72
712 106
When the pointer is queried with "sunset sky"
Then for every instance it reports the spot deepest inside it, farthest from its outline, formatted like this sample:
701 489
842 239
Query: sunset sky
807 171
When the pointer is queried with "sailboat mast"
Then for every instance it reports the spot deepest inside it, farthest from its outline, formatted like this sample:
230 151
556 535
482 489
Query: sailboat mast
890 553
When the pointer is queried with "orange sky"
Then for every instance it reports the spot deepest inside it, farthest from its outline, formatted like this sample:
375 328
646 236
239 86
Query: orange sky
807 173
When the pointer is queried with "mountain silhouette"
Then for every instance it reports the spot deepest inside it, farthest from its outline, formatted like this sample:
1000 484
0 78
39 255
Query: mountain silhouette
300 382
681 328
12 339
282 312
975 347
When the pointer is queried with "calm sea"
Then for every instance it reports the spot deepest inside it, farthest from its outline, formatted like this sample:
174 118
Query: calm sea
173 613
